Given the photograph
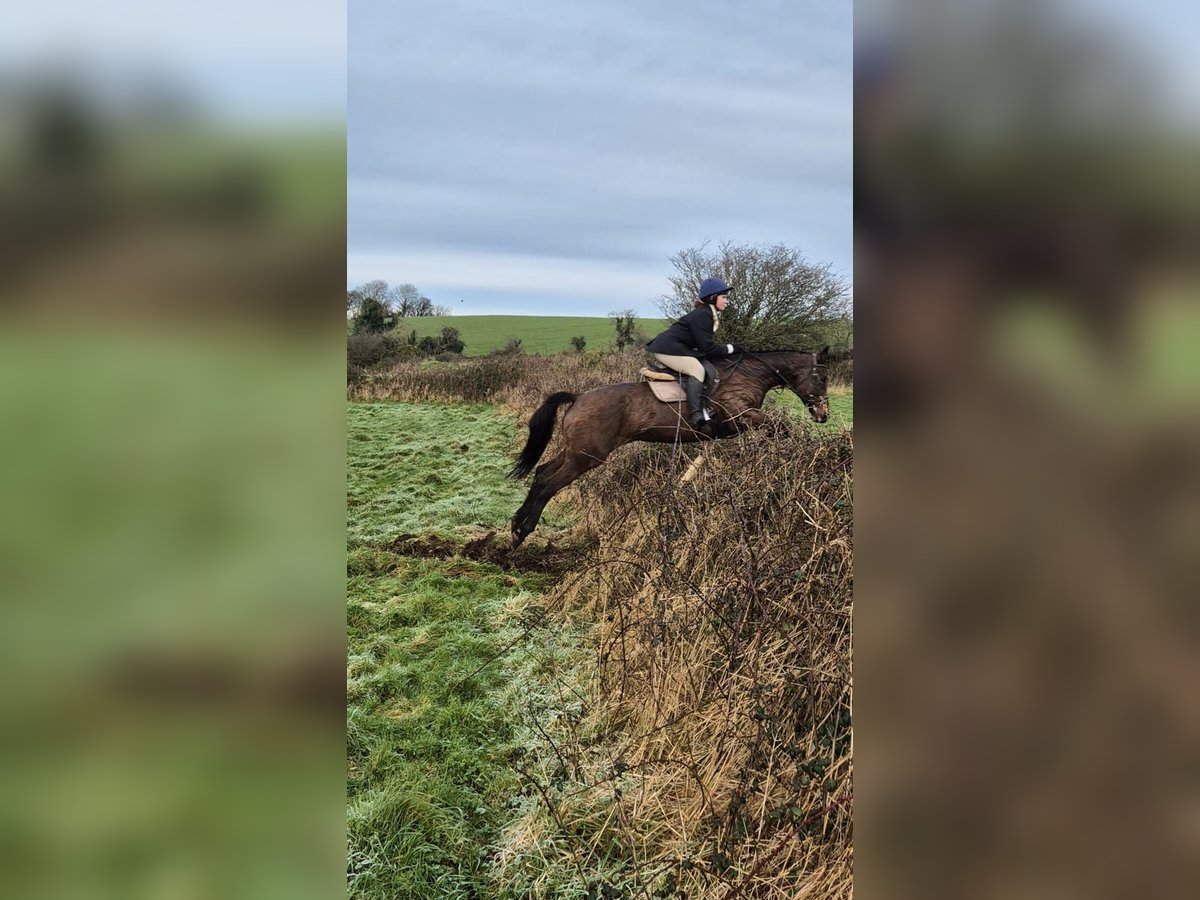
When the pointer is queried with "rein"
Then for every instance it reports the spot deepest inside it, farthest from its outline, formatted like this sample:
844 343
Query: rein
783 382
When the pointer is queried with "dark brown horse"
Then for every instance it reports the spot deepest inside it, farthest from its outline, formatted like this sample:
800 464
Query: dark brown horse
601 420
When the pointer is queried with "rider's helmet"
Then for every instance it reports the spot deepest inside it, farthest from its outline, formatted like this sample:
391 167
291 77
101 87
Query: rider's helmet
711 288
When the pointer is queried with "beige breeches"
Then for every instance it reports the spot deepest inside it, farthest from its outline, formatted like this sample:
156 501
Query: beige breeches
688 365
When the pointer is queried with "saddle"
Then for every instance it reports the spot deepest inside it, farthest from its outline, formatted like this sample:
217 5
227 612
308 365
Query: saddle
667 384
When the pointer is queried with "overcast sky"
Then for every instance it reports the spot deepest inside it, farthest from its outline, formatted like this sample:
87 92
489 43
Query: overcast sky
546 158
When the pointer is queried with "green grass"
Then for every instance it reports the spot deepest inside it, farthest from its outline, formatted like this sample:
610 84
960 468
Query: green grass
424 468
429 723
433 700
841 407
538 334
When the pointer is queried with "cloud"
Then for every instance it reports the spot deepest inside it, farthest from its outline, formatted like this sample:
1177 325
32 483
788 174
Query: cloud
603 135
593 286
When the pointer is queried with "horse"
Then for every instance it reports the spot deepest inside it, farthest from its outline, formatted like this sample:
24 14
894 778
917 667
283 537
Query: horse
599 421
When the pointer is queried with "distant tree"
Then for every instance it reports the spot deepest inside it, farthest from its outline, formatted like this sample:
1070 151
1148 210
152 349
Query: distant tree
378 291
405 298
399 302
370 305
624 322
372 317
780 301
408 301
579 343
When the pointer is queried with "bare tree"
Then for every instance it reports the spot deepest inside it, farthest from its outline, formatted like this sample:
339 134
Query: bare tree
779 301
371 298
399 302
406 299
376 290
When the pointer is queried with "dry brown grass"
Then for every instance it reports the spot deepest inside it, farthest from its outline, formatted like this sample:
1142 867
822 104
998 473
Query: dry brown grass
712 749
517 381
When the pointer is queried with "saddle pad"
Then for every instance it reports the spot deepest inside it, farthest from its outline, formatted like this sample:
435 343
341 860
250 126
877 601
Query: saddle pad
667 391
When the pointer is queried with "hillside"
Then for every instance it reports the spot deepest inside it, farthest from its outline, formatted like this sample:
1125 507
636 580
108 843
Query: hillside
538 334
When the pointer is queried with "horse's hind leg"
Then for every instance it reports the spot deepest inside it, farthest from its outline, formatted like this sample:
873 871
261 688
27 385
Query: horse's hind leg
548 480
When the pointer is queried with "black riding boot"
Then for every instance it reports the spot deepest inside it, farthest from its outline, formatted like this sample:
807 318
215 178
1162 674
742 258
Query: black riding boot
693 390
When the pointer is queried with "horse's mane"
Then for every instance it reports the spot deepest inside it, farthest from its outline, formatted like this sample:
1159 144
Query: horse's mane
737 358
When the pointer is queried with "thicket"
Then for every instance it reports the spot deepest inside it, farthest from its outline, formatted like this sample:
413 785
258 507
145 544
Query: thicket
373 349
710 750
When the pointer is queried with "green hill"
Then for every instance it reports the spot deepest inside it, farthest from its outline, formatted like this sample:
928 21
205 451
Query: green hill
538 334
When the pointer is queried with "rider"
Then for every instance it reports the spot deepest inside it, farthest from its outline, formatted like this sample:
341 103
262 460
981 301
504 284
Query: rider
688 340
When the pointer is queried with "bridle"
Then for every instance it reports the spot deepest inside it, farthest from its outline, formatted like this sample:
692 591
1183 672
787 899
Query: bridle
783 381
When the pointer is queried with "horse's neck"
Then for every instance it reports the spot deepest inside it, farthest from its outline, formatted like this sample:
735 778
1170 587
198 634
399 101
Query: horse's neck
756 384
777 372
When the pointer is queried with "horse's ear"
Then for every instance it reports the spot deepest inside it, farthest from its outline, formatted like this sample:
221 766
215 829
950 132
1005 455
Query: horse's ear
823 356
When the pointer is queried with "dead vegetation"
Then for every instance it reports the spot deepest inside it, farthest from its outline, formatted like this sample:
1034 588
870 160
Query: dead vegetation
709 752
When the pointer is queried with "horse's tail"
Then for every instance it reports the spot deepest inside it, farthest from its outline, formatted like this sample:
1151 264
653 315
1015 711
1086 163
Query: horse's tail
541 428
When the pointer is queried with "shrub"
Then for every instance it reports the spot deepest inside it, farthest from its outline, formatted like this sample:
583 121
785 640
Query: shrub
370 349
455 381
372 317
579 343
451 341
624 323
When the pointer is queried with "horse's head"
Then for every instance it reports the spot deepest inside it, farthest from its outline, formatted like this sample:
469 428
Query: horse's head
810 383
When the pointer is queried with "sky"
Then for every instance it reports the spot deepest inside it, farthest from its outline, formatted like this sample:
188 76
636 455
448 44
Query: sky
246 62
545 158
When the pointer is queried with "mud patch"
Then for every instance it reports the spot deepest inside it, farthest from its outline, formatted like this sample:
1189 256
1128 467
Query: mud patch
491 548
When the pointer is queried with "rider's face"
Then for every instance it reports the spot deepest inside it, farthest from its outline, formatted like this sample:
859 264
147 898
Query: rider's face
722 302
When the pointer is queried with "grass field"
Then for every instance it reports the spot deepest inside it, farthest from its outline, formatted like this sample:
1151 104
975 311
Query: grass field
433 705
413 468
538 334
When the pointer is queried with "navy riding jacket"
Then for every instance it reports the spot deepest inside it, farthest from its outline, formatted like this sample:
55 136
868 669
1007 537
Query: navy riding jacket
690 336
